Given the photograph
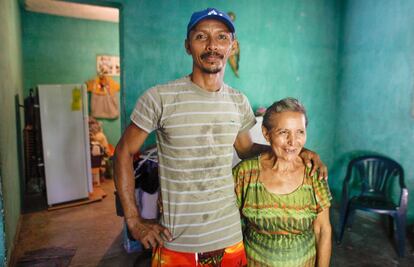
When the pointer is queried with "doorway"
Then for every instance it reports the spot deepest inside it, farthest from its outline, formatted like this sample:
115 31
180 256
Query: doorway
62 47
72 43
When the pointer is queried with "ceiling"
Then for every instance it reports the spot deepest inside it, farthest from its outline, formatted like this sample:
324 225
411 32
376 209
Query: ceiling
74 10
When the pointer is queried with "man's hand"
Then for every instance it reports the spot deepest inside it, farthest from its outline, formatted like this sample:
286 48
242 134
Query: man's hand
313 161
148 232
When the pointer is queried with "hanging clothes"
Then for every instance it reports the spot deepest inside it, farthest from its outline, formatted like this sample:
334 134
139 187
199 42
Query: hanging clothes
104 97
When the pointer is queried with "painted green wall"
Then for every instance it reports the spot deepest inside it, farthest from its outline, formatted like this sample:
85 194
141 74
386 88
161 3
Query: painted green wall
63 50
288 48
350 62
11 83
376 84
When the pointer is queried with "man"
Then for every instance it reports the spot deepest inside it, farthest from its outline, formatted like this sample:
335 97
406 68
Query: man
198 120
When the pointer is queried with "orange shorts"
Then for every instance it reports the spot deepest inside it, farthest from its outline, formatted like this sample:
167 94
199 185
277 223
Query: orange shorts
228 257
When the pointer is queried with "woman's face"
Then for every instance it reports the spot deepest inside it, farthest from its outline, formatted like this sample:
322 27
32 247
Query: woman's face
287 135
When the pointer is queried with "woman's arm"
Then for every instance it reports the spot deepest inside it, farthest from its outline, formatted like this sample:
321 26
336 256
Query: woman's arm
323 233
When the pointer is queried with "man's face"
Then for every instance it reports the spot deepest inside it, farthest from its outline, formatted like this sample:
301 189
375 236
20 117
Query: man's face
210 43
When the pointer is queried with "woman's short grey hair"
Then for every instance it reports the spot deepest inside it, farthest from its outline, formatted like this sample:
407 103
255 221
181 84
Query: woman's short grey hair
286 104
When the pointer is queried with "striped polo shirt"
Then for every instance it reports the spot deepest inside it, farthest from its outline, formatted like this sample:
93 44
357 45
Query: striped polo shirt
196 130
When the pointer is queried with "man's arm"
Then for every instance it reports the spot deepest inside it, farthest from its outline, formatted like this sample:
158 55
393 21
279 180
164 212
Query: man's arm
323 233
245 148
147 233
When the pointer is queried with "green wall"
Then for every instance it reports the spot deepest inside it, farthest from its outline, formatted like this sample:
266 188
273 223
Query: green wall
376 85
11 84
59 50
350 62
288 48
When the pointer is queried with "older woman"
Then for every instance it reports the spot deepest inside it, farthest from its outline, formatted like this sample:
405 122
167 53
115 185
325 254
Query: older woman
285 211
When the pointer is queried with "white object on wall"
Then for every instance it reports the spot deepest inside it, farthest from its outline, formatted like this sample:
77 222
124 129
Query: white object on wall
257 137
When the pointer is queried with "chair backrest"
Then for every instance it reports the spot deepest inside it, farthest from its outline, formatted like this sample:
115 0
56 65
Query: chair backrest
376 174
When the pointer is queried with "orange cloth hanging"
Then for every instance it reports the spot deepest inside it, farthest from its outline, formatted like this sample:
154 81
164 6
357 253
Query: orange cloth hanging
102 82
104 97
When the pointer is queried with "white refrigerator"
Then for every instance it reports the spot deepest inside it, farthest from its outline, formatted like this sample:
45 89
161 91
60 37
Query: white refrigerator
65 139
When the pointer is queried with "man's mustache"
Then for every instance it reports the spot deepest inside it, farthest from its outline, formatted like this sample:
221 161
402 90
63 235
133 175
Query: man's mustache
208 54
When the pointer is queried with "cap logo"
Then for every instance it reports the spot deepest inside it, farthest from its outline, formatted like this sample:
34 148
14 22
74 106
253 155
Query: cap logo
212 12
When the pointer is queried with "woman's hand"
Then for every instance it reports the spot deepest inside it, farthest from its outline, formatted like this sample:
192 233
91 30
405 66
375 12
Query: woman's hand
313 161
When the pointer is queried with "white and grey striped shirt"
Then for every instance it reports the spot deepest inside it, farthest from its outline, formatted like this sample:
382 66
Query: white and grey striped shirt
196 130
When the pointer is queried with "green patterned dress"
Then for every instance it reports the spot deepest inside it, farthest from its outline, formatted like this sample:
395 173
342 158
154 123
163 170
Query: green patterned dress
278 228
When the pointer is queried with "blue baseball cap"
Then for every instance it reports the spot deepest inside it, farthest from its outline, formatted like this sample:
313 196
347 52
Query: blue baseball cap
210 13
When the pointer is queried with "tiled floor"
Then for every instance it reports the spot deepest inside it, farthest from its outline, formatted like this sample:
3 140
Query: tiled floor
96 233
93 229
